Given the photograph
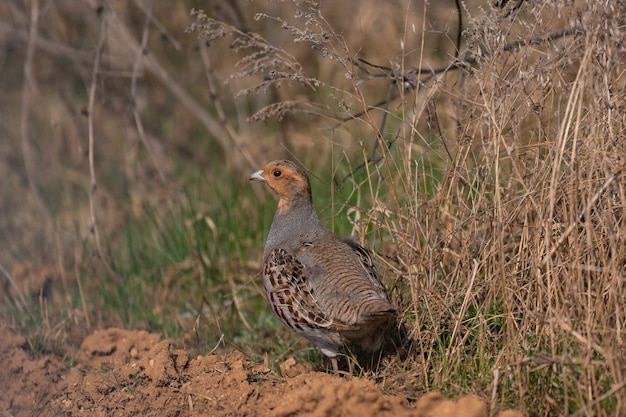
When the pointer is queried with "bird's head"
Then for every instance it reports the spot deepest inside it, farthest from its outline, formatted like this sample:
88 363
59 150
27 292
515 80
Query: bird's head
287 180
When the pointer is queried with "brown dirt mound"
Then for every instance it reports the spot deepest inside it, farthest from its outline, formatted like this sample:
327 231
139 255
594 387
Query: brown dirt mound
122 373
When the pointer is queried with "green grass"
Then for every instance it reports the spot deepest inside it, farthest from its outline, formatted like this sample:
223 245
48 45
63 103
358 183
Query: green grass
176 261
192 258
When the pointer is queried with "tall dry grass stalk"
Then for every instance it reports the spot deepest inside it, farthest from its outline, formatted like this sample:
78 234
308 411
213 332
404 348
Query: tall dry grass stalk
498 193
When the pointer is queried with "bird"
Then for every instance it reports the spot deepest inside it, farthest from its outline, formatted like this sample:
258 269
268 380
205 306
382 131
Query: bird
321 286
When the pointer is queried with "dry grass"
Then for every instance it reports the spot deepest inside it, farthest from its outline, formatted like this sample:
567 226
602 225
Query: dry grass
489 179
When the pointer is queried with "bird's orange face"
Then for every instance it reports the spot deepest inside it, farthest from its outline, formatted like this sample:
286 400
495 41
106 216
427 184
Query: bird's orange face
286 179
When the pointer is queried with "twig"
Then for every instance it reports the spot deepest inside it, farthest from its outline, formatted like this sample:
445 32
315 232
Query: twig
219 109
133 91
536 40
384 121
459 33
512 46
92 168
217 345
468 293
81 292
502 4
494 391
29 85
409 77
151 18
238 303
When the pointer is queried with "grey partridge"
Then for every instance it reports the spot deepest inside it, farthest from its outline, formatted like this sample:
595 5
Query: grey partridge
322 287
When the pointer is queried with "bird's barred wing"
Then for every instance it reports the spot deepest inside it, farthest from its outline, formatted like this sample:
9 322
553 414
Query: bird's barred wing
368 265
291 295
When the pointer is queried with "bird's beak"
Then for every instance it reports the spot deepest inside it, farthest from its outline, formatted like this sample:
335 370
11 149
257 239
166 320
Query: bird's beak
257 176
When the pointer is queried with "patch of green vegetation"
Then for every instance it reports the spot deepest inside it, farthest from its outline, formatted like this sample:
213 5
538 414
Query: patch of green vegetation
175 262
201 256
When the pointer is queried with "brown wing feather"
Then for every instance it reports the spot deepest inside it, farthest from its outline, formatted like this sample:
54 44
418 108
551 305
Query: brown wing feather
368 264
291 295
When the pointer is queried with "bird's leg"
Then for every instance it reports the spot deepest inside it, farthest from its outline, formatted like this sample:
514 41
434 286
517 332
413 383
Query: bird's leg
333 361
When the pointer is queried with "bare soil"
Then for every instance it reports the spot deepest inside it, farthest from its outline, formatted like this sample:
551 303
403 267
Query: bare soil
125 372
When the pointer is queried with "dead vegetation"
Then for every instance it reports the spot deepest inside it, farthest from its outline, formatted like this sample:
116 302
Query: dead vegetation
487 172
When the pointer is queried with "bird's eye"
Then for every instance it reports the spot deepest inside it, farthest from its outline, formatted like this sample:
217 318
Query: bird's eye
276 173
